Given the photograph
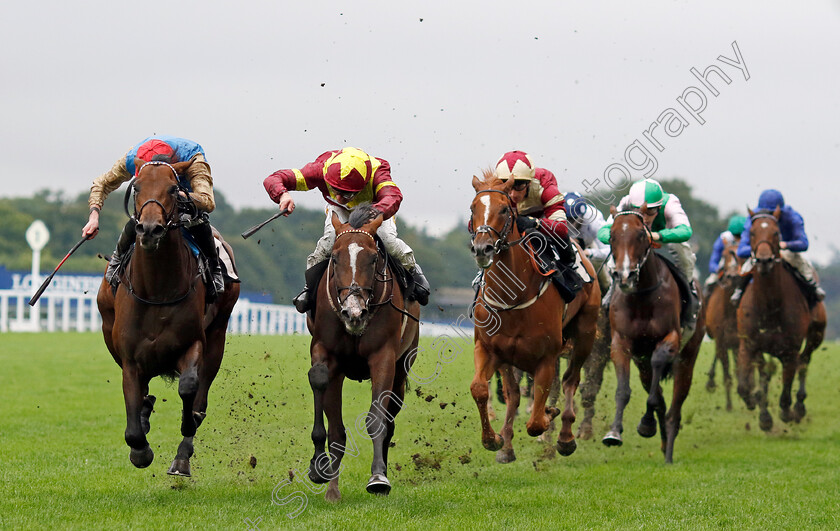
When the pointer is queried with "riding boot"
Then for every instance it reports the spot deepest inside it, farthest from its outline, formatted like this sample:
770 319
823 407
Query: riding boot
817 292
740 286
124 242
566 251
693 307
421 285
304 300
203 235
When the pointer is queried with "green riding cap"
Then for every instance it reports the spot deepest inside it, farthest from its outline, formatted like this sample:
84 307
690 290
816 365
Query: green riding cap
736 225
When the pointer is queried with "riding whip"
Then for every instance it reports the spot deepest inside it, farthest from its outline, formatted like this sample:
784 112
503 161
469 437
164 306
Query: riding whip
46 283
250 232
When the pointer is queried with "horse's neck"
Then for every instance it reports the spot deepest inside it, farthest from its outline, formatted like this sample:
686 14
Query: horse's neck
768 289
162 271
512 275
652 272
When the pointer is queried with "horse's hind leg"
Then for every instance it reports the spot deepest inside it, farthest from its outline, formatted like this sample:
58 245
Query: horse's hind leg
141 454
512 396
320 470
582 350
814 338
593 368
727 377
663 356
543 379
620 355
336 434
765 371
188 383
382 371
710 384
683 369
789 368
147 409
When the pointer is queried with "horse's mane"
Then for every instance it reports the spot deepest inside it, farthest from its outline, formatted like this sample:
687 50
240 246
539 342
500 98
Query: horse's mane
362 214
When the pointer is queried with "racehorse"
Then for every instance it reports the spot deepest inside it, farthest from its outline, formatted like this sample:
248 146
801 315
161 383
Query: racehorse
645 324
157 323
721 319
774 317
527 329
363 328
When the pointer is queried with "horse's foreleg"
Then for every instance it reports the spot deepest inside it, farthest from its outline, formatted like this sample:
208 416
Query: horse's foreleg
620 355
141 454
543 379
727 378
382 371
581 352
662 357
336 433
147 409
745 369
765 372
485 366
790 365
813 339
188 367
320 470
512 396
710 384
682 383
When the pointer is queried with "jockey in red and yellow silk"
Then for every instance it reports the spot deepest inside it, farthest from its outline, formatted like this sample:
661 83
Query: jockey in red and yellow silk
197 181
346 178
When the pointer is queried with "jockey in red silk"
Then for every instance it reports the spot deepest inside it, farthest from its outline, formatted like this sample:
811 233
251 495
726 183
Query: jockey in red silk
198 182
347 178
794 242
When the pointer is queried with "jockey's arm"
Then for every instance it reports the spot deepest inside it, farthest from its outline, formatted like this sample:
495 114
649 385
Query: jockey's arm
553 221
794 237
100 189
717 253
387 196
744 248
677 227
201 183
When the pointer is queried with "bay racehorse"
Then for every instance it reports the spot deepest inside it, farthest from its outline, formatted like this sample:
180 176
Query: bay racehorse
157 323
522 322
363 328
645 326
774 317
721 318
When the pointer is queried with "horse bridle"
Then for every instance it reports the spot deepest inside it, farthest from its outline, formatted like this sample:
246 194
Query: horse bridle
638 268
172 221
354 288
501 243
754 245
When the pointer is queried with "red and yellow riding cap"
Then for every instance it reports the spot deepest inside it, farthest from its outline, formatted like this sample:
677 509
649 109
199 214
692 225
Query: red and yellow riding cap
349 170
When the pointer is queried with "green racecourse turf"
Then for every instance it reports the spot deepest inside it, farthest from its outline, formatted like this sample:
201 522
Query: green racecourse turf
64 464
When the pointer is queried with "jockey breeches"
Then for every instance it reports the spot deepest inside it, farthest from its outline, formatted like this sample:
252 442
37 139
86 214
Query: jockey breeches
683 257
803 266
387 233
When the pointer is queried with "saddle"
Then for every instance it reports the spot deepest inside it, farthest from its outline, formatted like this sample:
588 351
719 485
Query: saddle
804 286
682 283
568 274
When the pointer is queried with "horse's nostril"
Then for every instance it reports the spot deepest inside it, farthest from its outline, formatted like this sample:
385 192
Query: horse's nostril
158 230
140 228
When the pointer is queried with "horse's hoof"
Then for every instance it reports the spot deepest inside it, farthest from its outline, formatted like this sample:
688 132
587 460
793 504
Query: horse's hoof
142 458
180 467
379 485
646 428
585 432
765 421
315 474
799 411
552 412
505 456
711 386
613 438
786 415
566 448
495 444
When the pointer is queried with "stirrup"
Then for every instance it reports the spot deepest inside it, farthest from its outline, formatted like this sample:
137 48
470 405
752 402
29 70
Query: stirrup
301 301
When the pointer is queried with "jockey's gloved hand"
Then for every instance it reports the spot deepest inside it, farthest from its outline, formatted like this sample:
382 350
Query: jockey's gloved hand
524 223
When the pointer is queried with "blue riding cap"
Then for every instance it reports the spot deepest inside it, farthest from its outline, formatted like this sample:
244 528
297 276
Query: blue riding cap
575 206
770 199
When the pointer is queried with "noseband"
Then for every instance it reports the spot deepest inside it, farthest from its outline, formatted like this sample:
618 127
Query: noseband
501 243
354 288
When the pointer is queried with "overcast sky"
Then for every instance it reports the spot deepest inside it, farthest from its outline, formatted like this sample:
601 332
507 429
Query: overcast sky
439 89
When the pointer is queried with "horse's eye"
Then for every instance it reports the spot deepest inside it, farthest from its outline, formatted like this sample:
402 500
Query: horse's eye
505 211
173 189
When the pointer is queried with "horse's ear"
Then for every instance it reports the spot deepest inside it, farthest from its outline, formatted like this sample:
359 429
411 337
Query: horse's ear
613 211
750 212
477 183
508 185
373 225
778 212
336 223
138 163
181 167
643 210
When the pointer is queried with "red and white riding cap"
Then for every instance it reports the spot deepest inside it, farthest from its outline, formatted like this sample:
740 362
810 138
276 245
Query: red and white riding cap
516 164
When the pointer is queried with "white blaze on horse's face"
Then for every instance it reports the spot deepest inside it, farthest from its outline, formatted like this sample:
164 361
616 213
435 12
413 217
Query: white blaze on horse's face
623 267
354 249
485 200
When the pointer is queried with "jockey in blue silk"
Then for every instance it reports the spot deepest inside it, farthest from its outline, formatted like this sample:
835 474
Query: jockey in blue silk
584 221
794 242
731 235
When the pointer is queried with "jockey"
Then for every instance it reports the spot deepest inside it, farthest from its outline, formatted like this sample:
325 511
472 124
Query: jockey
583 221
794 242
346 178
670 227
731 235
168 149
540 205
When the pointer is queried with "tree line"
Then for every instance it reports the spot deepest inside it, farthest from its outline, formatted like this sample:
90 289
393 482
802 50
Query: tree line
272 261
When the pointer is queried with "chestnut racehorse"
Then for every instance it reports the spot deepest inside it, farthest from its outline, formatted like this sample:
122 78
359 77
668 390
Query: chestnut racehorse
774 317
363 328
721 319
645 325
158 323
521 321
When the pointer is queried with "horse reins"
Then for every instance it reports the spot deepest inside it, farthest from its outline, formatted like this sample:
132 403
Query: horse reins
754 248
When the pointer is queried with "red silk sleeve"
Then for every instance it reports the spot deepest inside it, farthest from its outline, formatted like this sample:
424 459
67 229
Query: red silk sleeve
386 194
